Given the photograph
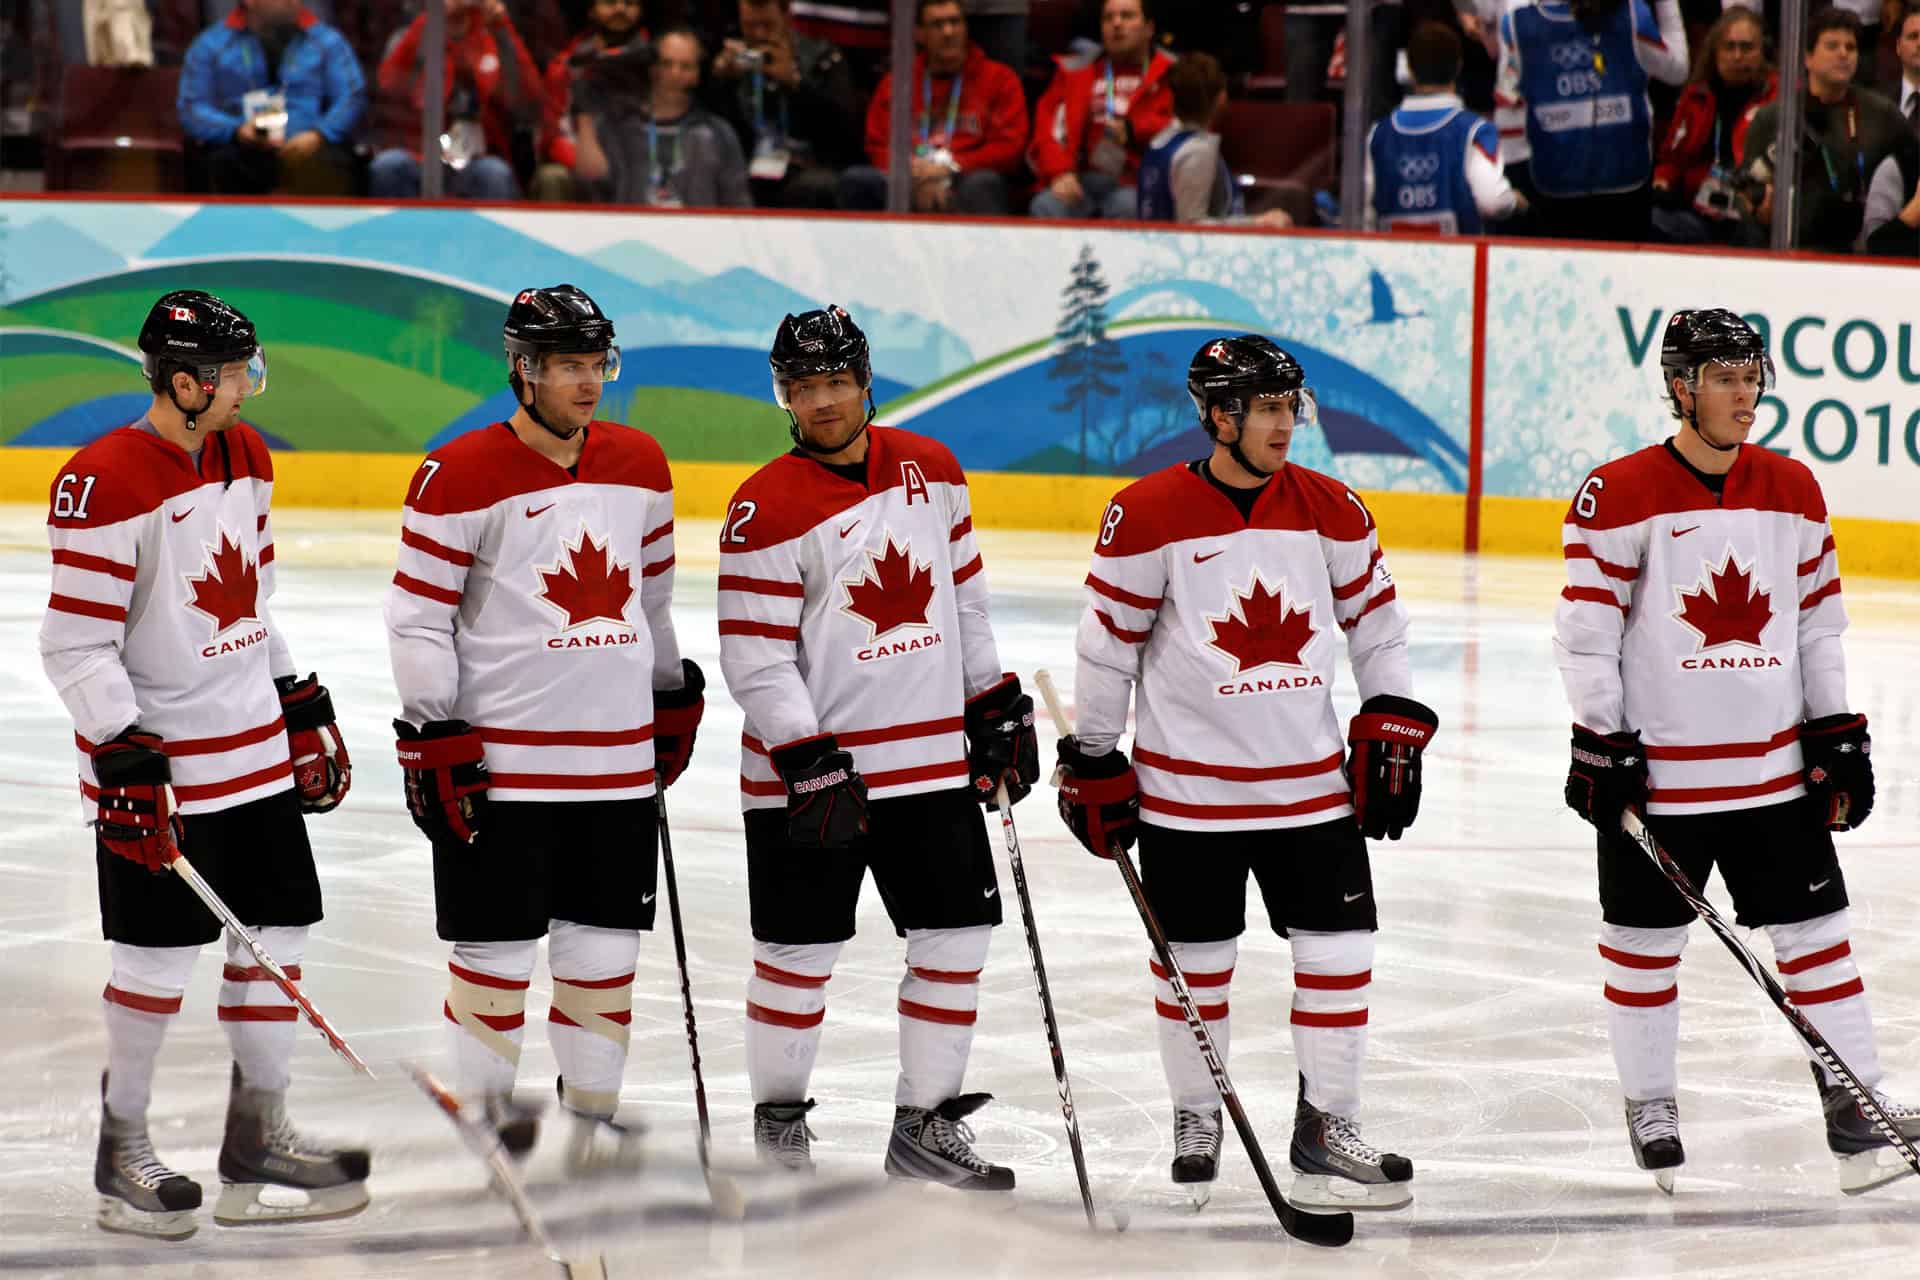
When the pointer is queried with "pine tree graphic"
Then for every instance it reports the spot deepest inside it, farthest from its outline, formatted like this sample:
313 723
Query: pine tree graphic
1085 360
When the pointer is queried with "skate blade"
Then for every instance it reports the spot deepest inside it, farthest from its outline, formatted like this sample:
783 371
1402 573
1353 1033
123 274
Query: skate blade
251 1204
1325 1191
1198 1193
118 1216
1663 1178
1865 1170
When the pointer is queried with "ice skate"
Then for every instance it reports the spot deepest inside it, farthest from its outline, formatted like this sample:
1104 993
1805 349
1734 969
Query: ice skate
1653 1126
139 1194
1196 1151
598 1144
1867 1159
272 1173
1336 1170
516 1123
935 1144
781 1136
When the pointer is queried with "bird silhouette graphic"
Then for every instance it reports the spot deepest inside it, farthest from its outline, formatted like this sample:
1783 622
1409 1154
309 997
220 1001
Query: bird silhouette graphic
1383 308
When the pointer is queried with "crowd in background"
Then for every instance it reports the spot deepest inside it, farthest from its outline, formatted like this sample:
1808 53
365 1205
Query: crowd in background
1638 120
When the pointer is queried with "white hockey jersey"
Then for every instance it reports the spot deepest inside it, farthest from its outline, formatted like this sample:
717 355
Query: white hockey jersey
533 603
859 611
1710 624
162 565
1228 626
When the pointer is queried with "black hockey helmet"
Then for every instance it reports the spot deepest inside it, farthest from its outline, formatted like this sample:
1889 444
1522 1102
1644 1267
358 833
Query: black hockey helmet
558 318
193 330
1706 336
1229 372
816 342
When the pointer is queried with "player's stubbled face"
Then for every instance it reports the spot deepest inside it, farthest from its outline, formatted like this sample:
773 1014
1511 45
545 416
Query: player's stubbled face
570 387
224 409
830 408
1727 401
1267 430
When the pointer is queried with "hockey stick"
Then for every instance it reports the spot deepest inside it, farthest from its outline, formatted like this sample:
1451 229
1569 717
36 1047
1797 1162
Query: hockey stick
1046 1003
727 1199
204 891
1636 829
485 1143
1328 1229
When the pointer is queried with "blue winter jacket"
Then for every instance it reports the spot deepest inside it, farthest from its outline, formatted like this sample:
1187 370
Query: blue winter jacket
319 74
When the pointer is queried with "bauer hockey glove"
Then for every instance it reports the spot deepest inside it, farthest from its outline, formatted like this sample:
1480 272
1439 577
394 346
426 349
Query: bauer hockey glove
1839 759
1001 743
446 778
1383 769
136 819
826 796
321 774
1099 797
1608 776
676 715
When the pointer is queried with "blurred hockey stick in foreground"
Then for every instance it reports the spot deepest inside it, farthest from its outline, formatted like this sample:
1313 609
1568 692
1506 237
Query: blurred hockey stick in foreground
485 1143
278 976
1314 1228
1046 1009
1636 830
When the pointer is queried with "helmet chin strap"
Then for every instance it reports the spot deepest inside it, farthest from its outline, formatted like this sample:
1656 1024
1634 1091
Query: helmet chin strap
532 405
1238 455
800 439
191 415
1693 420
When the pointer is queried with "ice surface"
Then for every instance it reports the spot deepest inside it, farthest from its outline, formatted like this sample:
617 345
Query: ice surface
1488 1066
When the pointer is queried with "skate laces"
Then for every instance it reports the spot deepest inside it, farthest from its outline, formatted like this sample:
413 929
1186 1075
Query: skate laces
1654 1119
280 1135
1343 1134
1195 1133
952 1138
135 1158
788 1137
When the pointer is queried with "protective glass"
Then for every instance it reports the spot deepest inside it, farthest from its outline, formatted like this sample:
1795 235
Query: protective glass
570 368
1306 409
249 375
1731 374
821 388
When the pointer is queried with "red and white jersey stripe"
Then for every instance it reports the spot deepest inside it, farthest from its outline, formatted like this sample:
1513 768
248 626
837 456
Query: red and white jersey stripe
857 610
162 566
534 603
1708 623
1230 628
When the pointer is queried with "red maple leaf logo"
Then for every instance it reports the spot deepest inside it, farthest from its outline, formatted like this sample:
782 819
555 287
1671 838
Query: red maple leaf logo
595 587
1260 628
894 592
1726 608
229 590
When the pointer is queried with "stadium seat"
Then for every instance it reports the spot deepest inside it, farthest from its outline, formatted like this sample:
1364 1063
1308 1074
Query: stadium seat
117 129
1267 144
1270 81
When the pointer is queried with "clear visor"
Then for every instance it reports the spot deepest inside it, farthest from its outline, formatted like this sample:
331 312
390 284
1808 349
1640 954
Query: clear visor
250 375
797 395
570 368
1306 409
1735 376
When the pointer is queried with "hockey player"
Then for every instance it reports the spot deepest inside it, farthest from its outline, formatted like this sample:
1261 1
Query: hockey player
1699 640
544 701
854 634
1219 588
182 690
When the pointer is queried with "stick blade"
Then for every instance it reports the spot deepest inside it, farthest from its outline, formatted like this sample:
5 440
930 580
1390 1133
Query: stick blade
1328 1230
594 1268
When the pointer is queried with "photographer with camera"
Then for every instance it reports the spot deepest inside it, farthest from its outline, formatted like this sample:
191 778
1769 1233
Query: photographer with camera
792 100
1695 178
642 140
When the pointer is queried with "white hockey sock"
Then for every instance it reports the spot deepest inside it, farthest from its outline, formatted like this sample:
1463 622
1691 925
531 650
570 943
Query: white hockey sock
1643 1007
1208 969
258 1018
939 1001
486 1010
786 1003
143 994
1331 976
590 1020
1816 966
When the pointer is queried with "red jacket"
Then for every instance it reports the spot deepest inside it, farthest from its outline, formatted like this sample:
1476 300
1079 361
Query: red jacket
1686 153
1062 142
506 89
990 129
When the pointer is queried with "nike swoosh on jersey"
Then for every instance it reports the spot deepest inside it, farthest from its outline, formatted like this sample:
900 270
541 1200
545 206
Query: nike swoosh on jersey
1681 533
645 898
988 893
850 528
531 513
1202 559
1815 888
182 516
1354 897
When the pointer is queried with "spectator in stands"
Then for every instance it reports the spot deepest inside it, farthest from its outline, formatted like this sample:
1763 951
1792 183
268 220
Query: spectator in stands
642 138
970 124
1576 73
611 25
273 96
1848 131
1183 177
492 89
1694 176
1096 118
1907 49
1891 228
792 100
1432 165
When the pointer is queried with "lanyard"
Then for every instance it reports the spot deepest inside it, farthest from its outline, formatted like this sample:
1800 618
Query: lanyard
1859 154
760 106
1146 64
926 109
662 167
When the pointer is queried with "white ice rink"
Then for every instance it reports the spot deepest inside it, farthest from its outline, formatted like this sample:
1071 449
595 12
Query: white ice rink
1489 1064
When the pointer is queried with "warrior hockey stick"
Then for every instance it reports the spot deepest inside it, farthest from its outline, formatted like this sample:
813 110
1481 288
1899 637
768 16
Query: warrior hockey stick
204 891
1328 1229
1046 1002
727 1199
1636 830
485 1143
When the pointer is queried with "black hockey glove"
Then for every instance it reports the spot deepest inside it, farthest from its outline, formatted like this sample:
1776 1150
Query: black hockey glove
1839 758
1387 738
1001 742
676 714
321 770
1099 797
826 796
446 778
1608 776
136 818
